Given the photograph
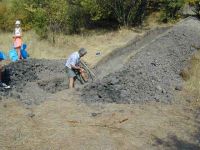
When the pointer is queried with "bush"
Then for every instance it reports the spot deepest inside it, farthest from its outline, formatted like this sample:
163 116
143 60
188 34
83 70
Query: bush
75 19
171 9
3 10
197 8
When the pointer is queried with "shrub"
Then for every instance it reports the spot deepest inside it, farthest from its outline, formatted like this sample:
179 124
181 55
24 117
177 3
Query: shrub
171 9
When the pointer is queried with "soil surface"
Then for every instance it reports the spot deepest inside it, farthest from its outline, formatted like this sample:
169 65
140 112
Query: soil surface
153 73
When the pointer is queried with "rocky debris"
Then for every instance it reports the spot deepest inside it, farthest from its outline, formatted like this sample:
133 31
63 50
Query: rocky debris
33 80
108 64
179 88
31 114
153 73
53 85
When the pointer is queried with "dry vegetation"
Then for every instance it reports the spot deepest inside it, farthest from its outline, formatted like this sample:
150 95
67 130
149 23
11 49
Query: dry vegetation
98 41
193 84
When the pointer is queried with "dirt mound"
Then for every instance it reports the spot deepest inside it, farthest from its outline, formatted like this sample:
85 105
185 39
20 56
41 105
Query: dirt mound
111 63
153 72
33 80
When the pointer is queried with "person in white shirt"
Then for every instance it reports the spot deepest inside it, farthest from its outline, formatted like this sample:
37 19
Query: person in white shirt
17 38
73 66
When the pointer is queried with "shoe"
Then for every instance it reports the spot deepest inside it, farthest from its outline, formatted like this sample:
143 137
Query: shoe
4 85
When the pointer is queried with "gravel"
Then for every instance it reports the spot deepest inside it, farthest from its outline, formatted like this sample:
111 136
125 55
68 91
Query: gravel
153 73
33 80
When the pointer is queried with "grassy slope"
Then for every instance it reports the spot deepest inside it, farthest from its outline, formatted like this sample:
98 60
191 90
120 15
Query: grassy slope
103 42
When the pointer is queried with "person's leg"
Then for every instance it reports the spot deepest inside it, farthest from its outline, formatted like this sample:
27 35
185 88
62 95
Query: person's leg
74 82
17 45
71 82
19 52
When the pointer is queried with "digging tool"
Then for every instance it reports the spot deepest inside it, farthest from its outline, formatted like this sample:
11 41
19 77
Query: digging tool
92 75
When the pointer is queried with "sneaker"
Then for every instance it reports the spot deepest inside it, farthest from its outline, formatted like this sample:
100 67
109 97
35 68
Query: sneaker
5 86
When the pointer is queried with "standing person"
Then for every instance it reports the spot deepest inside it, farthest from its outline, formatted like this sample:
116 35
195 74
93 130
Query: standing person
17 38
73 67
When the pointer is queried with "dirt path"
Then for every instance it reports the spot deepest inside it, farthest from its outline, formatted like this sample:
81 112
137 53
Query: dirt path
64 122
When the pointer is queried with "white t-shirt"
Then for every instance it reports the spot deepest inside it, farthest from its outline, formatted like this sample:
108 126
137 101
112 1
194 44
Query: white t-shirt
74 59
18 31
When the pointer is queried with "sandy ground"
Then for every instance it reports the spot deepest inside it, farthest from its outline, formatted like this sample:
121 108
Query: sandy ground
64 122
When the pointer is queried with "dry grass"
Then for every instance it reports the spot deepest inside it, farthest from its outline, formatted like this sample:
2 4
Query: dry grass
103 42
193 83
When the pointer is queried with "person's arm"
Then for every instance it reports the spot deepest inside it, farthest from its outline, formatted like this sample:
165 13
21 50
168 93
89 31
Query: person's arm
20 32
75 67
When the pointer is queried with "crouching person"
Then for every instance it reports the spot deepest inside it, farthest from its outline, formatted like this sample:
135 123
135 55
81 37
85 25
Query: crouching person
73 67
1 83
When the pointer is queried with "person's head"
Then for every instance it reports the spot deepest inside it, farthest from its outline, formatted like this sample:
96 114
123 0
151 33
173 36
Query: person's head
17 23
82 52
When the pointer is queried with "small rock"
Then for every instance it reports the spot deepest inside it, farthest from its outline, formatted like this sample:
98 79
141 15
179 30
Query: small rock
31 115
121 111
179 88
157 98
163 91
159 88
94 114
5 105
28 102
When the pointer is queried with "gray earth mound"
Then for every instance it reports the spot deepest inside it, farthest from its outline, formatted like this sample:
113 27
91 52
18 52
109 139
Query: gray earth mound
153 73
33 80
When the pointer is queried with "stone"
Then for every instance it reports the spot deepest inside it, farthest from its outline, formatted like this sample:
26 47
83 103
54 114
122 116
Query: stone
179 88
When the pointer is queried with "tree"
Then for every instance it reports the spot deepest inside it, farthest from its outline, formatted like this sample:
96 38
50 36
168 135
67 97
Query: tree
127 12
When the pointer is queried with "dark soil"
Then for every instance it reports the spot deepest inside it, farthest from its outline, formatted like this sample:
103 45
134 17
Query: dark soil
33 80
153 73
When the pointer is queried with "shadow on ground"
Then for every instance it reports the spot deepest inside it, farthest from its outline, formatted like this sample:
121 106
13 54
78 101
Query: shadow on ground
172 142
